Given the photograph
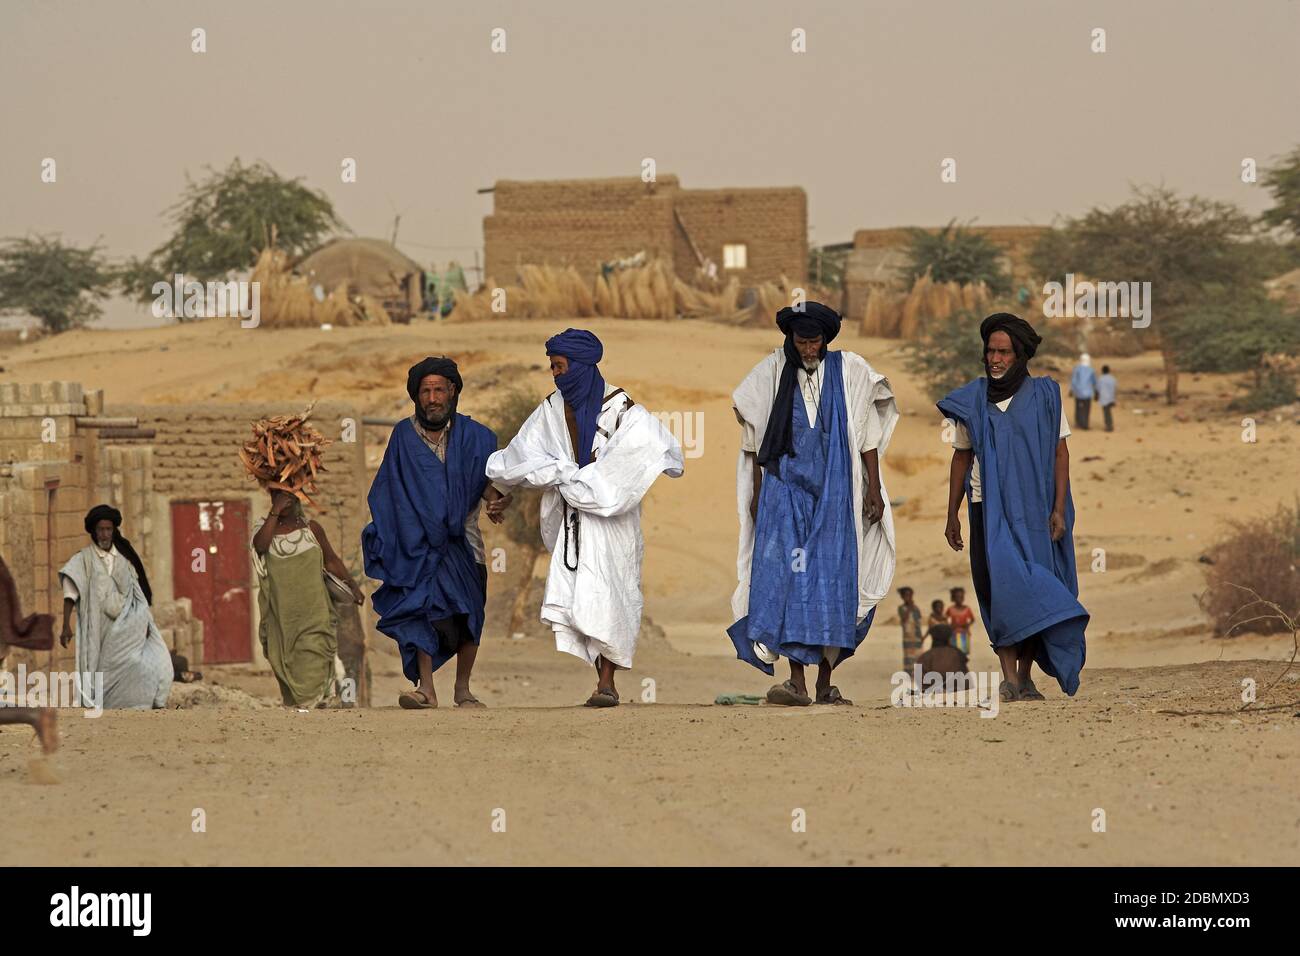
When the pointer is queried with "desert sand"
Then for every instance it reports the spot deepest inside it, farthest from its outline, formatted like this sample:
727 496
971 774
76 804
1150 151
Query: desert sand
681 780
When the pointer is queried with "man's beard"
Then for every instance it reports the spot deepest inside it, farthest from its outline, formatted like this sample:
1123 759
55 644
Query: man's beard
811 365
432 424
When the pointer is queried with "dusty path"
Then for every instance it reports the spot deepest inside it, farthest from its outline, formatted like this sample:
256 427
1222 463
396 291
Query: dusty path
676 781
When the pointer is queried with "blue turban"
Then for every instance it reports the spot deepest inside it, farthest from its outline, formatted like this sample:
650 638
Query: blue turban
582 385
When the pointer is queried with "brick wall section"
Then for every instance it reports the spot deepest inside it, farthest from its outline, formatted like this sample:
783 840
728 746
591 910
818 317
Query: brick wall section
584 222
195 456
772 223
579 223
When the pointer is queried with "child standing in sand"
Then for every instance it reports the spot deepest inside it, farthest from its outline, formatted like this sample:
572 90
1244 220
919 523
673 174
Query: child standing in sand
961 616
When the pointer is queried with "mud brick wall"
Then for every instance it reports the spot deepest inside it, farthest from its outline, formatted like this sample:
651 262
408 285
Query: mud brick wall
195 457
44 493
577 222
772 223
584 222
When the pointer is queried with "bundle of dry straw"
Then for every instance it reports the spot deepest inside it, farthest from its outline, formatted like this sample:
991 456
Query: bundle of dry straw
288 300
284 454
896 314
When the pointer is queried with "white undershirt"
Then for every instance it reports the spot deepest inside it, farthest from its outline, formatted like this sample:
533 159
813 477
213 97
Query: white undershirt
962 441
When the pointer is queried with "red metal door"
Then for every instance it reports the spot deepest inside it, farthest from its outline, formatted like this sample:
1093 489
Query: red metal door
211 567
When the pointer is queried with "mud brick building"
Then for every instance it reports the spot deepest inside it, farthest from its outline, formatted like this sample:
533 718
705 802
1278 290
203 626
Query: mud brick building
187 505
757 235
879 254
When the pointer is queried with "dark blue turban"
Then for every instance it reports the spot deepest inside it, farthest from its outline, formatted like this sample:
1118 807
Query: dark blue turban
582 385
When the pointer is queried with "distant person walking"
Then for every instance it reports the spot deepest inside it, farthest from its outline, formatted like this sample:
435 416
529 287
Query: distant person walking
1106 388
1083 386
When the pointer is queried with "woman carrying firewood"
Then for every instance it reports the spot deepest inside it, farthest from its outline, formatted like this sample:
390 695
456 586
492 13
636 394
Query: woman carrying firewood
295 565
298 626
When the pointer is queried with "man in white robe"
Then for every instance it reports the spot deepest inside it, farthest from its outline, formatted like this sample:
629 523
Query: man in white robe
591 504
815 427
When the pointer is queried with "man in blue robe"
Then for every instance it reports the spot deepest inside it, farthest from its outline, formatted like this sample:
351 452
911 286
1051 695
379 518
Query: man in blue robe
816 532
423 541
1011 462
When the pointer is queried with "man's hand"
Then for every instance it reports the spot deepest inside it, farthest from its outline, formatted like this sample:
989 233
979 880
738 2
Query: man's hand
281 501
875 504
496 508
953 533
66 637
1057 525
357 594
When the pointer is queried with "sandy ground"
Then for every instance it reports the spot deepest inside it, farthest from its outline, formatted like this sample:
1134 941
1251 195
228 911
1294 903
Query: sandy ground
681 780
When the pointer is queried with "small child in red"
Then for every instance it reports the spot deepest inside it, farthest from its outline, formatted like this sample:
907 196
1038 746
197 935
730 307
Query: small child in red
961 617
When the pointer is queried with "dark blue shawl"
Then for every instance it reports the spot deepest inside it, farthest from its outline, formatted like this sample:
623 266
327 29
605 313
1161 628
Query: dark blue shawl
415 543
1034 585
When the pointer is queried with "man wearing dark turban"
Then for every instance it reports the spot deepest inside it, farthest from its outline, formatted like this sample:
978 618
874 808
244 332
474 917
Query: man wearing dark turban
816 532
424 542
1011 462
122 661
594 454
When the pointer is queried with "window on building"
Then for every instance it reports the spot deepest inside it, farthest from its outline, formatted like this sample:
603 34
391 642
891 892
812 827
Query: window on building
735 255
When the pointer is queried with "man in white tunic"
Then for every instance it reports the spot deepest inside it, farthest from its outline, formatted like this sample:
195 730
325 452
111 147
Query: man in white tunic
816 531
117 639
594 452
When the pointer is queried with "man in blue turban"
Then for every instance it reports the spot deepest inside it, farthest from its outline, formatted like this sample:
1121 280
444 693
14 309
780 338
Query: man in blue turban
1012 464
816 532
594 453
423 541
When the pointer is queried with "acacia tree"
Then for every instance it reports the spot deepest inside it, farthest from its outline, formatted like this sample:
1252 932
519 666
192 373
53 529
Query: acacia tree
223 221
955 254
59 284
1192 250
1283 181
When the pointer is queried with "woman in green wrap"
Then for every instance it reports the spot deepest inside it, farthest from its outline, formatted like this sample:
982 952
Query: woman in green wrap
298 622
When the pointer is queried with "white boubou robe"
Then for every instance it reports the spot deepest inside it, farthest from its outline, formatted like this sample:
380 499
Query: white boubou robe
595 610
872 415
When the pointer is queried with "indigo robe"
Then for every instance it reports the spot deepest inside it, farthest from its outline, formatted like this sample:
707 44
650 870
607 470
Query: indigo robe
1033 584
415 543
803 576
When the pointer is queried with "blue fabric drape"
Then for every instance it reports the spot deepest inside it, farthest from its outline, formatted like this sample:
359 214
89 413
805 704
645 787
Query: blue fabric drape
1033 581
415 543
582 386
803 590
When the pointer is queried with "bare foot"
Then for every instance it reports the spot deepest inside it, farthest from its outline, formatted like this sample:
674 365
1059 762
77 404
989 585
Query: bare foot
47 729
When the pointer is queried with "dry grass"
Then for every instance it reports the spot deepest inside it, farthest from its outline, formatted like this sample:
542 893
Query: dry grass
288 300
650 291
894 314
1262 554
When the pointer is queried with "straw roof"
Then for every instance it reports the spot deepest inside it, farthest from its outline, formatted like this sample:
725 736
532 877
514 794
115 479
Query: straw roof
368 266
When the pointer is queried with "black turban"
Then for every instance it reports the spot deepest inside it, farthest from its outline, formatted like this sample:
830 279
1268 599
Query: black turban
108 513
813 320
1024 340
433 365
808 321
102 513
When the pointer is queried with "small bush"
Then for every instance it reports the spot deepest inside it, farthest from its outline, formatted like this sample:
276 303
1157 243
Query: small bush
1262 554
1270 391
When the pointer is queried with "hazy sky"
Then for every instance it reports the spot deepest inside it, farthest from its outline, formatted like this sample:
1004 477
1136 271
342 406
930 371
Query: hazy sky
1038 124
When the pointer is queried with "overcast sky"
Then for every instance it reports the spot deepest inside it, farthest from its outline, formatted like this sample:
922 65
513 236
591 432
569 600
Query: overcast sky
1038 124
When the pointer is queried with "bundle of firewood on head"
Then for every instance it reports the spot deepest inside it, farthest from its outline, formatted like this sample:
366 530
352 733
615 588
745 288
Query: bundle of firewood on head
284 454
